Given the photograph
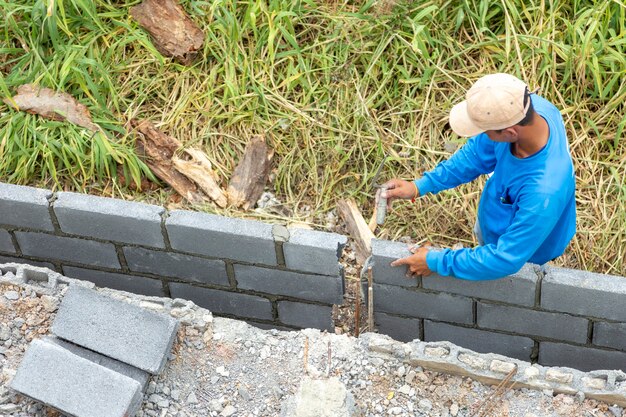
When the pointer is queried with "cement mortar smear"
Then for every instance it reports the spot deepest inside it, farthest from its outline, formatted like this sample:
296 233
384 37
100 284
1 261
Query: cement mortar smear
604 385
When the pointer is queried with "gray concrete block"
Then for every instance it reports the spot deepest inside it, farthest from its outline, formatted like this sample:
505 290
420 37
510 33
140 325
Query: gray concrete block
122 282
176 265
532 323
480 340
225 302
122 331
444 307
314 251
584 293
610 335
6 244
306 315
403 329
74 385
117 366
25 207
322 288
11 259
221 237
109 219
383 253
518 288
580 357
68 249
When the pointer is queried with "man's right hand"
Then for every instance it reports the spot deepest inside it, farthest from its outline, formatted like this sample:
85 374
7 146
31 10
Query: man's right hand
397 188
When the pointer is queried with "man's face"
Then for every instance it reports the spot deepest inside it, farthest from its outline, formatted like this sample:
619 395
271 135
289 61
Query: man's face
505 135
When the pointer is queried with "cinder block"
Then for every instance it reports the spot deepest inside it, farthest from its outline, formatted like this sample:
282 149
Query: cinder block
610 335
109 219
122 282
400 328
68 249
117 366
314 251
11 259
306 315
176 265
74 385
584 293
533 323
25 207
580 357
481 341
518 288
225 302
122 331
221 237
6 245
444 307
383 253
320 288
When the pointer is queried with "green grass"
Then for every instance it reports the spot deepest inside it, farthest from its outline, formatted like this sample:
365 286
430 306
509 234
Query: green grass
334 86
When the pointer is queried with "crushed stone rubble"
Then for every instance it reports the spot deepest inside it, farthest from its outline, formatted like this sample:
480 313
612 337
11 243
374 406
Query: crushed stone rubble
223 367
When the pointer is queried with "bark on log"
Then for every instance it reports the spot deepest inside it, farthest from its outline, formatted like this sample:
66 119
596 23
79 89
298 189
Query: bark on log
198 169
158 150
172 30
357 228
249 178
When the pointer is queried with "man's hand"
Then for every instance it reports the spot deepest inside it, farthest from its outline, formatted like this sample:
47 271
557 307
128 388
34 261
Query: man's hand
397 188
416 263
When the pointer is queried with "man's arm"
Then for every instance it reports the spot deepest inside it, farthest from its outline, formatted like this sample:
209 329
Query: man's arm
533 222
475 158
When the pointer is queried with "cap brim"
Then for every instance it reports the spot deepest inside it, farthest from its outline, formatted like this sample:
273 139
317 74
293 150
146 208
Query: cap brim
461 123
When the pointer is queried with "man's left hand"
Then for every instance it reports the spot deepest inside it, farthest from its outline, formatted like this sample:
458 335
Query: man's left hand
416 263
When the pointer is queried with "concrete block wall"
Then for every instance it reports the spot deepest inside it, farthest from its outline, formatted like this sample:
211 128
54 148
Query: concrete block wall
556 317
249 270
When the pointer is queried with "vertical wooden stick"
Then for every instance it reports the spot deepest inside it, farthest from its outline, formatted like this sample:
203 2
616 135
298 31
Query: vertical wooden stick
306 355
357 308
370 300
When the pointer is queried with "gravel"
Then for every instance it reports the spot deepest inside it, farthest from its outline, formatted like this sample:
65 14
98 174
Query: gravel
224 367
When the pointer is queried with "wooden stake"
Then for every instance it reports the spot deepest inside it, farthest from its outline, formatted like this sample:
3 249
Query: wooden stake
370 300
357 228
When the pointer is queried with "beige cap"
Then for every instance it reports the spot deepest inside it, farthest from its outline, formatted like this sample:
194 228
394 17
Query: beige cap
494 102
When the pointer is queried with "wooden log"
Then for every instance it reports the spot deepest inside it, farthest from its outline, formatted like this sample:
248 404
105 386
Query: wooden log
198 169
357 228
251 174
173 32
157 150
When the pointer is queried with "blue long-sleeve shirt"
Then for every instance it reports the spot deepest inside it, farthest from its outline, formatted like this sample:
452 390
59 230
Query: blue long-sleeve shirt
527 211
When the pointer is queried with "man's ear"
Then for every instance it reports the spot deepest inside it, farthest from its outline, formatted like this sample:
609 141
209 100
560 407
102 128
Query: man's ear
511 132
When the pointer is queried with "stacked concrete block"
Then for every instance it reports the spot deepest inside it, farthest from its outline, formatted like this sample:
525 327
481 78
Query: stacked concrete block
6 245
221 237
177 266
531 315
25 207
116 281
313 251
138 337
232 304
75 385
102 372
109 219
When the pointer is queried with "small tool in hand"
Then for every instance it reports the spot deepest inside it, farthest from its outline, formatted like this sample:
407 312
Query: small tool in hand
381 205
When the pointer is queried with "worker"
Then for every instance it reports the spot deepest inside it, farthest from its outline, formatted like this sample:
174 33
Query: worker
527 210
